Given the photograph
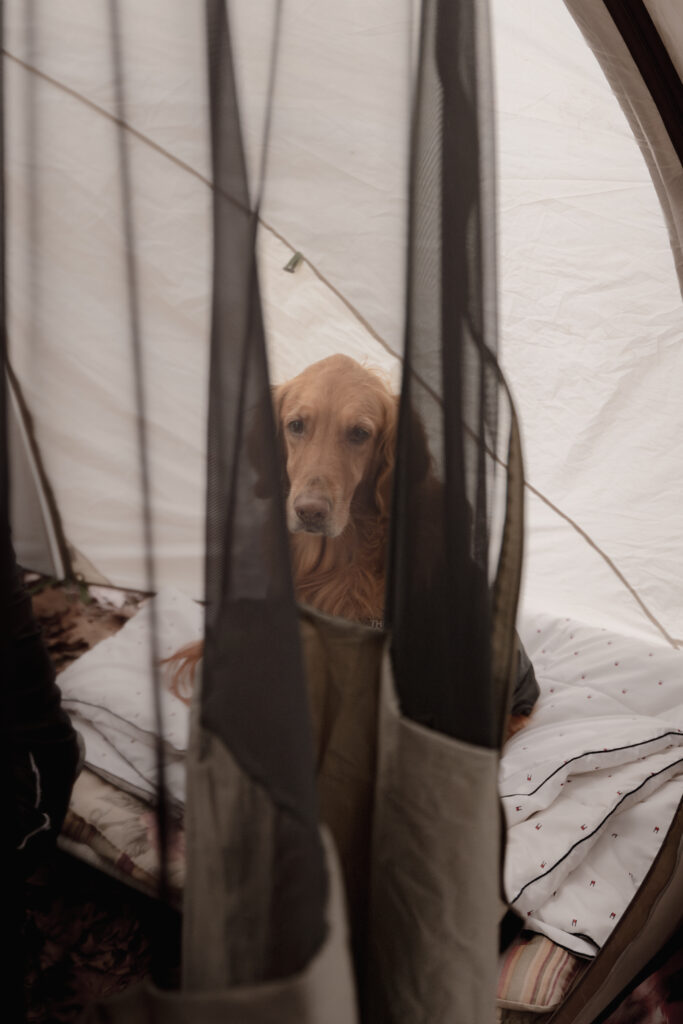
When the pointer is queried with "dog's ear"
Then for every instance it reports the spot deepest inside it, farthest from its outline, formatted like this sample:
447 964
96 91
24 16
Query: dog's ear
419 456
385 458
258 444
277 396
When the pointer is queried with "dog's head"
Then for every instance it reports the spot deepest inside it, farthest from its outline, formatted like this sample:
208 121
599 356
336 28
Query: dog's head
337 424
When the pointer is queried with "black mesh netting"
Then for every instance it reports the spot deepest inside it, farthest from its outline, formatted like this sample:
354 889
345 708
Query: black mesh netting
253 685
440 599
453 562
444 556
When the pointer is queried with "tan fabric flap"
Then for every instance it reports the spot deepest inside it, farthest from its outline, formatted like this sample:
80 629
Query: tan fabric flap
435 875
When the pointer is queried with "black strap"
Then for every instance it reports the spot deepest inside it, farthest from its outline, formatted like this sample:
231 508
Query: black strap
253 689
638 31
452 633
160 965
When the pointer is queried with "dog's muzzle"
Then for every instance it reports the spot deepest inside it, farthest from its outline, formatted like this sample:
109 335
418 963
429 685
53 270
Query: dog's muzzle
313 514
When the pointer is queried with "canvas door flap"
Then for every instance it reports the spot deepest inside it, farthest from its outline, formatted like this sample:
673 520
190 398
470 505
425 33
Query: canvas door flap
436 857
414 815
234 836
321 994
230 835
343 669
244 850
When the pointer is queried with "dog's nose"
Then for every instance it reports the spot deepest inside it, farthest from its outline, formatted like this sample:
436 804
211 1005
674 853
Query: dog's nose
312 512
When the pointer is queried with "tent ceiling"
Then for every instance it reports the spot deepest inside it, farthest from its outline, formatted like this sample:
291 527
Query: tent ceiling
590 307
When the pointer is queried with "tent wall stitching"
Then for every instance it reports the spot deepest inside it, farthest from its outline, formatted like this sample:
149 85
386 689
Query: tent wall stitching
673 641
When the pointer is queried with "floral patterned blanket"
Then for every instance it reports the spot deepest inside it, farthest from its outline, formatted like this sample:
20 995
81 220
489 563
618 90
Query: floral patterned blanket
120 831
107 826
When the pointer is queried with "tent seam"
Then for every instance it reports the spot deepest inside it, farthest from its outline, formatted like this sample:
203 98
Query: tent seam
612 565
200 177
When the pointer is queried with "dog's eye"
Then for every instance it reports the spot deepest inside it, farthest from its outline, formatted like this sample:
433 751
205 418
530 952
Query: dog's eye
358 435
295 426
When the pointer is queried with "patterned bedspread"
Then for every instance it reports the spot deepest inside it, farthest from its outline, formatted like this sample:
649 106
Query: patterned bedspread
120 831
610 713
591 786
107 826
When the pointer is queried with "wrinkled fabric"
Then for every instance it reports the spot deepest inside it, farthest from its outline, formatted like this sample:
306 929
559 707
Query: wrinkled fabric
322 992
436 850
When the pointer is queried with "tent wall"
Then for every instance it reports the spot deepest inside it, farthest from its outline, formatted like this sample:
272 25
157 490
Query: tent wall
337 161
635 43
67 250
595 363
35 535
68 316
576 209
591 335
665 15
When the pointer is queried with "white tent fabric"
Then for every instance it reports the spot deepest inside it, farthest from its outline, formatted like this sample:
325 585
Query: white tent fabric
81 378
591 335
71 350
591 314
591 308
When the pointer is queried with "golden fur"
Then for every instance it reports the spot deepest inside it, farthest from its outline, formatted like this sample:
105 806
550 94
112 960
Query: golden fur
336 426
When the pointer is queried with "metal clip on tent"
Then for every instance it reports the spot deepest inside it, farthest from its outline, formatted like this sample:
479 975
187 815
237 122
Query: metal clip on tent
294 263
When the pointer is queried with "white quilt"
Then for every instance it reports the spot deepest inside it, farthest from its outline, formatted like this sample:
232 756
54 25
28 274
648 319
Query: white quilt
109 696
591 785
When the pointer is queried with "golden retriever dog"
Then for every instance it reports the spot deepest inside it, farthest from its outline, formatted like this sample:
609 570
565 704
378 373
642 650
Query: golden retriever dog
337 425
336 429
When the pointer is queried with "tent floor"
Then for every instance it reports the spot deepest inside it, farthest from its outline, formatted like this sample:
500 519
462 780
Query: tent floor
87 936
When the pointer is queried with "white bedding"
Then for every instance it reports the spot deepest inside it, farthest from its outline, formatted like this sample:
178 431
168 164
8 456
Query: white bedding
591 785
109 696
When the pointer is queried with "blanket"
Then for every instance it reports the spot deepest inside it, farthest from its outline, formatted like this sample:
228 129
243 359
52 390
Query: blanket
109 696
591 786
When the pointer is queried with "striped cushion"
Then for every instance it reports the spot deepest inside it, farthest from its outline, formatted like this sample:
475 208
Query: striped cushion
535 974
505 1016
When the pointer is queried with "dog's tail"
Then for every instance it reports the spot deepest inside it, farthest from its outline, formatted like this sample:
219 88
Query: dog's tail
183 665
